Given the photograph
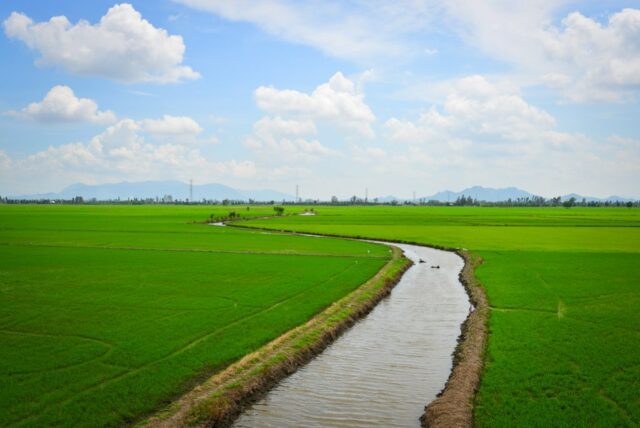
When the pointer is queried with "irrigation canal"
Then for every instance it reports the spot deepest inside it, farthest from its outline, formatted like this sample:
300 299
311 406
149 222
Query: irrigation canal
387 367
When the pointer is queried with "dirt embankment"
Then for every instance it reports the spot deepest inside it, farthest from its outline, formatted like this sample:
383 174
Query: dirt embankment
218 401
454 406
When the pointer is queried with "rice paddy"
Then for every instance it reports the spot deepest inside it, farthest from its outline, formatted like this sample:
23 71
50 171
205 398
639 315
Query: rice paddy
109 313
564 341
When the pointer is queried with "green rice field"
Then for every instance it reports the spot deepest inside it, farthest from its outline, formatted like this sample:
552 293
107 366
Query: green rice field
564 290
107 313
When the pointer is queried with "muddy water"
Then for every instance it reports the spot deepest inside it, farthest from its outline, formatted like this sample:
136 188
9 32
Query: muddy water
384 370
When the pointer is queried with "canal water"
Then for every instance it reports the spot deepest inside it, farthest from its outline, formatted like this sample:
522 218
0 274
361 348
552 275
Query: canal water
387 367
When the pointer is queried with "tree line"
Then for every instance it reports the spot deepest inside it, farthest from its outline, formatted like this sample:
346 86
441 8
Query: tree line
464 200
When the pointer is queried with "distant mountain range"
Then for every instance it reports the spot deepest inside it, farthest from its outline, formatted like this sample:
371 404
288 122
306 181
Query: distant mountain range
489 194
482 194
214 191
152 189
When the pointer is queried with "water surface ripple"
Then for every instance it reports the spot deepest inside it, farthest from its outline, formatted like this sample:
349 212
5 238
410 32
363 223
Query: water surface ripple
387 367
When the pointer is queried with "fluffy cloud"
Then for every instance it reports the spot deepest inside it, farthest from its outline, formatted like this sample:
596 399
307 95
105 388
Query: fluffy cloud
282 140
122 46
122 151
598 62
336 101
477 111
482 134
61 105
172 129
171 126
582 58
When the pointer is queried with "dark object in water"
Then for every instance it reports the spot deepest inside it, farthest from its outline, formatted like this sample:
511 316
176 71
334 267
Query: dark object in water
435 267
422 261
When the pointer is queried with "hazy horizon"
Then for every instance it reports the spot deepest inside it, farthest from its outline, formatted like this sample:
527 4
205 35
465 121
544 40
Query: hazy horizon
335 96
277 195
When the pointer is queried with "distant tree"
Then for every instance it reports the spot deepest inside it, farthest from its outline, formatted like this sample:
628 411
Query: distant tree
278 210
569 202
334 199
629 204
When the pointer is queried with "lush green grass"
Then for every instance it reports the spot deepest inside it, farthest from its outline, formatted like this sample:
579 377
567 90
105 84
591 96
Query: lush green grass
106 313
564 286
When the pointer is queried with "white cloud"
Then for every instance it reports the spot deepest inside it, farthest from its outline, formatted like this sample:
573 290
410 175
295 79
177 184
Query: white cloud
352 30
599 62
281 140
61 105
476 111
481 134
122 46
276 126
336 101
582 58
287 150
171 126
121 152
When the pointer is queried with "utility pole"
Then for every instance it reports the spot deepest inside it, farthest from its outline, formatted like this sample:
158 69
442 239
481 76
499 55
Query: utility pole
191 190
414 196
297 194
366 195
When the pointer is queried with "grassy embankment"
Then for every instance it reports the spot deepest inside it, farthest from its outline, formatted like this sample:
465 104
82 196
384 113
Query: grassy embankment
563 288
108 313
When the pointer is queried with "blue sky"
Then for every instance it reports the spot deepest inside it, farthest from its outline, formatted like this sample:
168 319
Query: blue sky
334 96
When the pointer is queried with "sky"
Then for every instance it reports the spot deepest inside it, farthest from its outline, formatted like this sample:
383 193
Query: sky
333 96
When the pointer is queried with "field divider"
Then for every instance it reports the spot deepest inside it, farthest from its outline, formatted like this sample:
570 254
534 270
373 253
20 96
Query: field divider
219 400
